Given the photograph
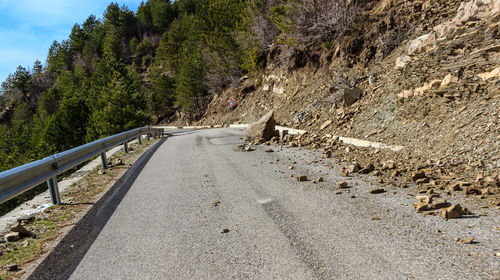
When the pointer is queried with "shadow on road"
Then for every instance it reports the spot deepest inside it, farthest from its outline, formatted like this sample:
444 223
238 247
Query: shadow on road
66 256
180 132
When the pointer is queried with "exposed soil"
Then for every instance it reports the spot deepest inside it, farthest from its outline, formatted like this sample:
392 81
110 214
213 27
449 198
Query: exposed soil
451 130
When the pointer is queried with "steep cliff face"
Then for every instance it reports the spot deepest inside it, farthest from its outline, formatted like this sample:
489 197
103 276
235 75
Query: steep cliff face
429 77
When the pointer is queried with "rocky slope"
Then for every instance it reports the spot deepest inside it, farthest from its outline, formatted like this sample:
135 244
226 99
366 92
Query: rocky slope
420 74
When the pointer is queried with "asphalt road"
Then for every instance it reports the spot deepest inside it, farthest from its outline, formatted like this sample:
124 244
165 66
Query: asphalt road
165 226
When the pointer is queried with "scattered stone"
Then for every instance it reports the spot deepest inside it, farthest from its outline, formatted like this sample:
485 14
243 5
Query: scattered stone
418 45
491 182
216 203
338 192
453 212
402 61
367 169
116 162
353 168
390 164
12 236
485 191
471 190
353 196
421 206
21 229
424 199
418 175
325 124
291 167
344 172
327 154
449 79
422 181
376 190
342 185
468 240
301 178
439 203
269 151
320 179
263 128
249 149
495 73
351 95
376 218
225 230
12 267
372 80
454 187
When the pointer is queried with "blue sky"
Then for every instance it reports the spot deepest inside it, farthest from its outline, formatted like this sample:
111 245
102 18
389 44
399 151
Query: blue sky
28 27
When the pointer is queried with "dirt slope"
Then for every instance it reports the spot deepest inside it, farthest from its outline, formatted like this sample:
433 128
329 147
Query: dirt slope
429 76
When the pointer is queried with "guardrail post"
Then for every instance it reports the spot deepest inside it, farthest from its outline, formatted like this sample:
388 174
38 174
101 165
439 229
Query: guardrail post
104 161
54 190
147 135
139 138
125 147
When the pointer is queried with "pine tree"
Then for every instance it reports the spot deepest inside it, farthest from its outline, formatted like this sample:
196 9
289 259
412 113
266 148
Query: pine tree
190 81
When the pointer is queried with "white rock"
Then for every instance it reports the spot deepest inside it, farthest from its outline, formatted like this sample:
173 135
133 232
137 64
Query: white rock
448 79
419 44
420 90
402 61
444 29
495 73
476 10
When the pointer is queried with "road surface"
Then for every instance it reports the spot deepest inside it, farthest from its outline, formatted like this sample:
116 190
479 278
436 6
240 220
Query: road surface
166 224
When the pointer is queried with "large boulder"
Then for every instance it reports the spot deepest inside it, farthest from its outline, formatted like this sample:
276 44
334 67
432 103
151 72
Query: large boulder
263 128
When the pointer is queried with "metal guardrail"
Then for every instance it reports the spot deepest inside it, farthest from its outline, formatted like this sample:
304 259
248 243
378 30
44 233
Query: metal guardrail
20 179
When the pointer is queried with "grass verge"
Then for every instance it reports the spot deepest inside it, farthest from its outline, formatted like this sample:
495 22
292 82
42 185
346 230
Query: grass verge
51 225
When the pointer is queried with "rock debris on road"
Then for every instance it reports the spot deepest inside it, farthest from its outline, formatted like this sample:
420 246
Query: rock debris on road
203 209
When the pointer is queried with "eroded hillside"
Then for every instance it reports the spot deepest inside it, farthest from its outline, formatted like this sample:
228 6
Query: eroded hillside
428 78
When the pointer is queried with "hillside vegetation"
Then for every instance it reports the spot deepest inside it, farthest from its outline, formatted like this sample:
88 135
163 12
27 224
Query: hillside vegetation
425 75
164 62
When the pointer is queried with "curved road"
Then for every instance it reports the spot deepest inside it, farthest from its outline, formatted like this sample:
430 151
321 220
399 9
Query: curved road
167 224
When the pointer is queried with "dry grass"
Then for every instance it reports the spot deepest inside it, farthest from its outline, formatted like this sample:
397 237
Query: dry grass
51 225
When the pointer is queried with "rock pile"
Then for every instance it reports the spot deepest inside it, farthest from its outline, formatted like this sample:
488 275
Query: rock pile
430 179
